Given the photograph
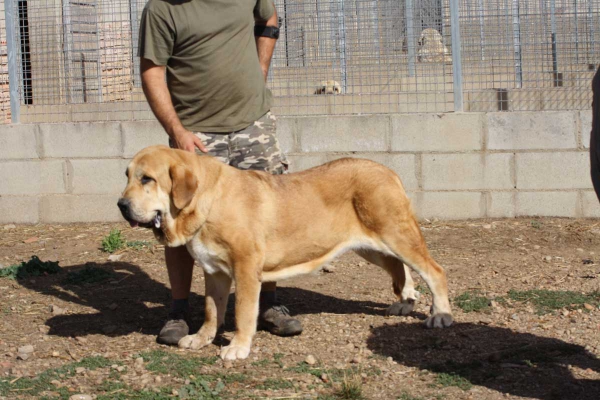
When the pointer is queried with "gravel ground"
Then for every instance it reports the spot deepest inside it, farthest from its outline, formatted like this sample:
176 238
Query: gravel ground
525 294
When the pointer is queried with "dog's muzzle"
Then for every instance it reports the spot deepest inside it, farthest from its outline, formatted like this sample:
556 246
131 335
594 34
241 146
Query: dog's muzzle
125 207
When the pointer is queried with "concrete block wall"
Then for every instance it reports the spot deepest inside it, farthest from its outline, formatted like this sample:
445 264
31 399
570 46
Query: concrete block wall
453 166
463 165
69 172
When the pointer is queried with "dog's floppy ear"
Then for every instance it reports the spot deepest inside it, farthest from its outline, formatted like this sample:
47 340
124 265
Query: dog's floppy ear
184 185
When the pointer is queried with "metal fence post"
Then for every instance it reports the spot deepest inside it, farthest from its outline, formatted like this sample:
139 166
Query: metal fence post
517 43
409 12
456 56
135 28
11 49
342 44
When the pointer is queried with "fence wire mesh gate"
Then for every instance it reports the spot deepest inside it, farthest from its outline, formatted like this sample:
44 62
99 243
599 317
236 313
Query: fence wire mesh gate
75 60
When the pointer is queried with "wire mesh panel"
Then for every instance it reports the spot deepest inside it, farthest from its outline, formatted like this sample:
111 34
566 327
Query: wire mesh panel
5 116
362 56
529 55
76 59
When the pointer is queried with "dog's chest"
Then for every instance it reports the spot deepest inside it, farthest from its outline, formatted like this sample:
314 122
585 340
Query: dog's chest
207 258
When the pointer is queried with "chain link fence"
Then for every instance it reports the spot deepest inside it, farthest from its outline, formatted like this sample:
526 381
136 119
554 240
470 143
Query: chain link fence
75 60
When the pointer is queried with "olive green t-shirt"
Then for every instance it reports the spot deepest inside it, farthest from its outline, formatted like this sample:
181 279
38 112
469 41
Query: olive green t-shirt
208 47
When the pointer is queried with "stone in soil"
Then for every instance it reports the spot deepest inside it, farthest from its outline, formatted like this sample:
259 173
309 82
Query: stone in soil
56 310
81 397
310 360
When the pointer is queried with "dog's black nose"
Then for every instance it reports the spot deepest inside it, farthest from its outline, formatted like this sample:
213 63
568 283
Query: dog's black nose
123 206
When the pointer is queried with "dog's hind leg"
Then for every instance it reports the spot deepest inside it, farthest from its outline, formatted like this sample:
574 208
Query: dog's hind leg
217 294
408 244
402 282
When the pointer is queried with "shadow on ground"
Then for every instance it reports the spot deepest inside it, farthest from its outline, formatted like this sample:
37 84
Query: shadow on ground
509 362
142 302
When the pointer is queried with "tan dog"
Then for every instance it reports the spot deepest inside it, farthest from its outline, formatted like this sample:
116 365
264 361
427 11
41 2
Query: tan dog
254 227
329 87
431 47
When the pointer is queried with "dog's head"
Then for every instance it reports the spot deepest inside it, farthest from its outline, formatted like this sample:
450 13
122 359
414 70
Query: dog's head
429 36
159 186
329 87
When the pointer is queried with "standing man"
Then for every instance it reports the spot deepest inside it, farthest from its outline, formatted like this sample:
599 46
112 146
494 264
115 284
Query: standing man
216 56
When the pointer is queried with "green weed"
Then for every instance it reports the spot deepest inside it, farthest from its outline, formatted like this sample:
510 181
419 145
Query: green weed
88 275
42 382
138 244
351 388
113 241
547 301
275 383
169 363
407 396
33 267
449 379
472 302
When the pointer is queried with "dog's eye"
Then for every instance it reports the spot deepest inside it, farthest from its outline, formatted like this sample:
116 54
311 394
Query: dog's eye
146 179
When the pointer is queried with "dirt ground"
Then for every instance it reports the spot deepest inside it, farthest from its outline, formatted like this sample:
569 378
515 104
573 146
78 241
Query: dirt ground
98 337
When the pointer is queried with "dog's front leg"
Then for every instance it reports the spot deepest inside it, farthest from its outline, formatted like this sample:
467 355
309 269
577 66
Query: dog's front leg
217 294
247 292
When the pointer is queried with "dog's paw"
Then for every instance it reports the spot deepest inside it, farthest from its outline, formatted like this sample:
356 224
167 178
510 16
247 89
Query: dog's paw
194 342
411 294
441 320
235 352
400 308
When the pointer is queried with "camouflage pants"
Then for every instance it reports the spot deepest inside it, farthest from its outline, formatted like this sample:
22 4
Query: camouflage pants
255 147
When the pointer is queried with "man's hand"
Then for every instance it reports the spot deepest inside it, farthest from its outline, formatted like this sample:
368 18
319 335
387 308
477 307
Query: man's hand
186 140
159 99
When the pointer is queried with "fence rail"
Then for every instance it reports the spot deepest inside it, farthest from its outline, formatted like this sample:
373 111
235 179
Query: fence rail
75 60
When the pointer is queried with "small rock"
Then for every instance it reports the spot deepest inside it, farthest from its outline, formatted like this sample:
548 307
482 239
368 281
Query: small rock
81 339
227 364
56 310
174 392
580 250
536 247
115 257
356 360
487 226
9 227
113 306
324 377
108 329
81 397
120 368
26 349
565 313
55 354
588 306
79 370
31 240
310 360
547 258
139 361
329 269
390 359
23 356
514 317
157 379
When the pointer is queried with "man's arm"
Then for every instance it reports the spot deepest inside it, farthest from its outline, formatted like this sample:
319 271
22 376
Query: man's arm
159 99
265 45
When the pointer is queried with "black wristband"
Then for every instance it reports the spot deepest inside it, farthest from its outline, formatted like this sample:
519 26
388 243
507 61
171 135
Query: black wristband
266 31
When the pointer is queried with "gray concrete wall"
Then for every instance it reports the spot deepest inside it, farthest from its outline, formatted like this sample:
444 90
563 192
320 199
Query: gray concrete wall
471 165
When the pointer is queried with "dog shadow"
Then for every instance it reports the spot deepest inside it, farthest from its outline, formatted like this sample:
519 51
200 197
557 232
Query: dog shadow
509 362
131 301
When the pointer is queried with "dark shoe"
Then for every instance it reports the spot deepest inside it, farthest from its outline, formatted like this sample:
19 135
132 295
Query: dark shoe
175 329
276 319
